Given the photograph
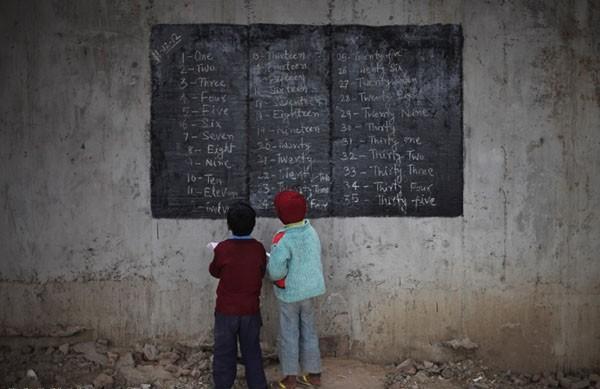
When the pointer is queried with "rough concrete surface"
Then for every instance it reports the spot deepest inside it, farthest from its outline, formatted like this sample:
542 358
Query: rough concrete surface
518 273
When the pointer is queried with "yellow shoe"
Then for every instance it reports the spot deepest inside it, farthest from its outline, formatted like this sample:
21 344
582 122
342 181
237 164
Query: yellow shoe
309 380
289 382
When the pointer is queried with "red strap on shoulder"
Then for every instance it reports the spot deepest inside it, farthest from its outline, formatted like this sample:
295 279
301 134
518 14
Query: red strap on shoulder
280 283
278 237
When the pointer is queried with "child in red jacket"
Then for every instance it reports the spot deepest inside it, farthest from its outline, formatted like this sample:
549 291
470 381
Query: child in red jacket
239 263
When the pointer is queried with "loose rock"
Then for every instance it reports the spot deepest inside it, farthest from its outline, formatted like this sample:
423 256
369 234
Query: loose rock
168 357
407 367
421 377
30 380
125 360
88 350
461 344
447 373
103 381
64 348
150 352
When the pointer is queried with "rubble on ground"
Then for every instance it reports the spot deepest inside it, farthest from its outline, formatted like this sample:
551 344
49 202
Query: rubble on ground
472 374
153 365
99 365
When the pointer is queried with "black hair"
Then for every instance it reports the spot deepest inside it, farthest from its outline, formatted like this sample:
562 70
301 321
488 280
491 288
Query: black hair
241 218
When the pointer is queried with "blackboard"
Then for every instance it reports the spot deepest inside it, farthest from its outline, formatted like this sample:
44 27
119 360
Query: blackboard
397 122
289 115
364 121
199 115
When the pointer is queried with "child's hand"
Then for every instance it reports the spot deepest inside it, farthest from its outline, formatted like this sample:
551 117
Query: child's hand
212 245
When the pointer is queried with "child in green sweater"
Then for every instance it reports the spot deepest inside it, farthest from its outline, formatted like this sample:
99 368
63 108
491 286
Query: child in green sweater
295 266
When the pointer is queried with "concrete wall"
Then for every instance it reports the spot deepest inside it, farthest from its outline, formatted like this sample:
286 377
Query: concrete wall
519 273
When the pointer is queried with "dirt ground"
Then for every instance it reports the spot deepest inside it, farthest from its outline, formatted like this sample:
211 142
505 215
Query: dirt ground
344 374
352 374
96 364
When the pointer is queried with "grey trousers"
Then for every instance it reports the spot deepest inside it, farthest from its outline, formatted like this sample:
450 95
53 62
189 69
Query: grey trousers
298 339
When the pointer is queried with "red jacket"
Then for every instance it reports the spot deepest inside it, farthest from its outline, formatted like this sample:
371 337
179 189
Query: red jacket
240 266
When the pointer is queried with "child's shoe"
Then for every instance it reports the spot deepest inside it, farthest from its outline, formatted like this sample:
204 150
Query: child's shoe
288 382
310 380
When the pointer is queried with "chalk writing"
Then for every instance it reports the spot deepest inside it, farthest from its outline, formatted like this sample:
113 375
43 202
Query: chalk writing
289 88
364 121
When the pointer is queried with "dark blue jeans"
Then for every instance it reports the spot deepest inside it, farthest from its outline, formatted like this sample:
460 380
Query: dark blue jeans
229 330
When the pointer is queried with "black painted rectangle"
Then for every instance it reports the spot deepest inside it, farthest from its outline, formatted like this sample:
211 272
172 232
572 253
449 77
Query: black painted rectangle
397 121
364 121
289 115
198 119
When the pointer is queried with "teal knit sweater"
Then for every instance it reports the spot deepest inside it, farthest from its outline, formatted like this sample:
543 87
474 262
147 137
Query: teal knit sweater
296 255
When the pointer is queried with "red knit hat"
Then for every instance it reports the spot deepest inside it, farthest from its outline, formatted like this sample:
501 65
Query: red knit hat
290 206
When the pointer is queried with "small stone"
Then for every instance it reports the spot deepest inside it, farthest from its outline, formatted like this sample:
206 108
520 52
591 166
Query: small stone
145 386
461 344
407 367
150 352
49 350
171 368
27 349
421 377
168 357
89 352
125 360
428 364
112 358
103 381
536 378
30 380
64 348
594 378
447 373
